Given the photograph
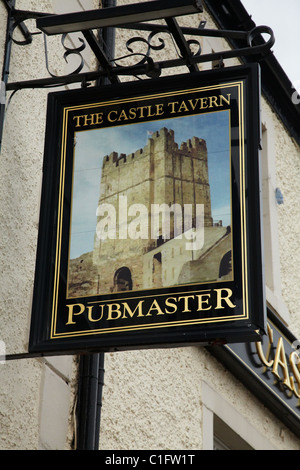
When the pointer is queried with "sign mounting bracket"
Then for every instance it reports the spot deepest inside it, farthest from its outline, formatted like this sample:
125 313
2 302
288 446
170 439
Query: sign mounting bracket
158 8
137 19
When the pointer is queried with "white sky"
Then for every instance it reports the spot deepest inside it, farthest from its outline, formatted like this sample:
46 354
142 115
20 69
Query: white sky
284 19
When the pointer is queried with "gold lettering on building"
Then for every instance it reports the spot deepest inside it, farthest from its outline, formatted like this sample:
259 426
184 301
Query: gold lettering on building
197 104
280 360
287 372
117 115
127 309
72 312
186 304
88 119
140 112
226 298
265 358
204 299
295 367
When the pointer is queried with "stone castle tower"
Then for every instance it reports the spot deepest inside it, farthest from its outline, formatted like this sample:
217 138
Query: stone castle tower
160 173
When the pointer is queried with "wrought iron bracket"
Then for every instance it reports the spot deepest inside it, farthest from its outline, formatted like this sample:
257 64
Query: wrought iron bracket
145 66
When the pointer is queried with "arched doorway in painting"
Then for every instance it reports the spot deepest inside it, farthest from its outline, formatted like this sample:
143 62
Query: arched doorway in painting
122 279
157 270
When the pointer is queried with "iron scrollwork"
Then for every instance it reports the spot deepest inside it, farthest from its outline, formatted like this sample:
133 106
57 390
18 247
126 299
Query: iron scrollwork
188 51
153 69
21 17
68 51
150 46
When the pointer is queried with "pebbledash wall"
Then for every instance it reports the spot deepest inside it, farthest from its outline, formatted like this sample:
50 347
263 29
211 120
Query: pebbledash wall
154 399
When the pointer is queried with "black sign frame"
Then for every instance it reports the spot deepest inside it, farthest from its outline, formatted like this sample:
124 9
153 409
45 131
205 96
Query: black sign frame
201 312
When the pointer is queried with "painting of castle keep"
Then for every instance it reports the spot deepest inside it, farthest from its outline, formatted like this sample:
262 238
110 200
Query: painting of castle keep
151 205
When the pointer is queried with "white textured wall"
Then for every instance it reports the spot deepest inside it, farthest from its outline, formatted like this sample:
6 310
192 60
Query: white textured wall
288 177
35 394
153 400
20 178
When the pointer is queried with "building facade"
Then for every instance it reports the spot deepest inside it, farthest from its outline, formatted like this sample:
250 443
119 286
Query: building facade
190 398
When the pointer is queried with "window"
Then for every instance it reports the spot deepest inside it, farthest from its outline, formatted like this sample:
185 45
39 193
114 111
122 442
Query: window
270 223
225 438
224 428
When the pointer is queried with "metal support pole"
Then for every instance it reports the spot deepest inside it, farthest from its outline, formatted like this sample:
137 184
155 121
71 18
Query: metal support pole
91 374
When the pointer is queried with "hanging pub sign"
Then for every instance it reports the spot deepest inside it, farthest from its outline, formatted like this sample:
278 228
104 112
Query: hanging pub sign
150 231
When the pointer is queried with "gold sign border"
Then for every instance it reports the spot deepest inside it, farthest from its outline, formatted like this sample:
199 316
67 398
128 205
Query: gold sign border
245 314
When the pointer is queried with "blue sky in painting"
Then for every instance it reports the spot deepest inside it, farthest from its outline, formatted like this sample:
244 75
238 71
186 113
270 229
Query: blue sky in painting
93 145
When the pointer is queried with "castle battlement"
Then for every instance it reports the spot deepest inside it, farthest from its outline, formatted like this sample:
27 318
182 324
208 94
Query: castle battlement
194 144
193 147
110 159
115 159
